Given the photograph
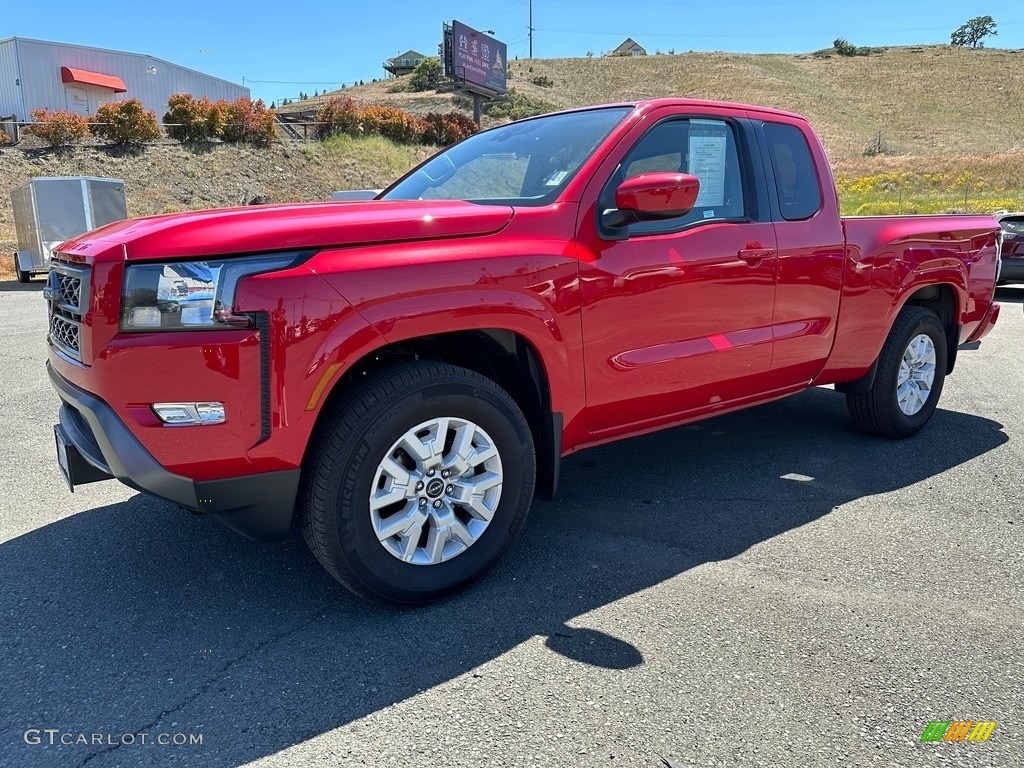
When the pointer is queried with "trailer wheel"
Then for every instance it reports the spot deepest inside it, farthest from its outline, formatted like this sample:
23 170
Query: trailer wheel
23 277
908 382
416 481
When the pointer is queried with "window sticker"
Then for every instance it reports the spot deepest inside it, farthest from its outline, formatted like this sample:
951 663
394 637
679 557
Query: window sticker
555 179
707 161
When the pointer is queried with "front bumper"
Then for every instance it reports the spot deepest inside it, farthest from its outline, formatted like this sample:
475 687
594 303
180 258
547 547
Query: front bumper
101 447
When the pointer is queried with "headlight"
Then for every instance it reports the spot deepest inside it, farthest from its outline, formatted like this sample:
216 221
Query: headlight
189 295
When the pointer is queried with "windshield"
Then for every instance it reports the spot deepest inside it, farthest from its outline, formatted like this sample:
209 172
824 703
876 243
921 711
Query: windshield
524 163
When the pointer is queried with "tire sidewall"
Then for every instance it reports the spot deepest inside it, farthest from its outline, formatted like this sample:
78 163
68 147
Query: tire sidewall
931 326
370 562
22 277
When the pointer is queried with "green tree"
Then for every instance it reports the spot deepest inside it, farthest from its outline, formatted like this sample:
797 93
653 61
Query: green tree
844 47
974 32
425 76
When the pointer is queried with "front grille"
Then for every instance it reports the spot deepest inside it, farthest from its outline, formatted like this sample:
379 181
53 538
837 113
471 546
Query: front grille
69 289
64 333
67 300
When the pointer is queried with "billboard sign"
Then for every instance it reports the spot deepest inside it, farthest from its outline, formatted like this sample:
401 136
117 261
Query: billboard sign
478 60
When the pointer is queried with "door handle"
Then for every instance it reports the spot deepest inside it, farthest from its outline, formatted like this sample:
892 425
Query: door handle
754 255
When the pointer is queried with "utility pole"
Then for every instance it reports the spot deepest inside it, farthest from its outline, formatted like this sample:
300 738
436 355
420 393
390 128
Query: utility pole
529 29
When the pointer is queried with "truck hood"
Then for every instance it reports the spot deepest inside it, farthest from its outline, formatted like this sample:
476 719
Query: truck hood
298 226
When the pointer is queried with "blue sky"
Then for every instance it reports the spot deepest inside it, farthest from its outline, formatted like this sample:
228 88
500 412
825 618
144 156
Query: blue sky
324 44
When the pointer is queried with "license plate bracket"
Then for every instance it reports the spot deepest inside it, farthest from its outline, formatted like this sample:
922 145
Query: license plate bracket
62 457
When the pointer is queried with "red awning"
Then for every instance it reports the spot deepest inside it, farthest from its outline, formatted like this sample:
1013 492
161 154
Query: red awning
85 77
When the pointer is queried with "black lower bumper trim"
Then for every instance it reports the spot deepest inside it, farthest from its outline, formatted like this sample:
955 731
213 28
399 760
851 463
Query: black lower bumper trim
259 506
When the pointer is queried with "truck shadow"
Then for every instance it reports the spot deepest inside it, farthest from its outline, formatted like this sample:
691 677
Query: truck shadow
13 285
1013 294
138 618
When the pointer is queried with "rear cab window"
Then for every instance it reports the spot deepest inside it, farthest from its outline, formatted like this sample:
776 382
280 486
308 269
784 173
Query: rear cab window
796 179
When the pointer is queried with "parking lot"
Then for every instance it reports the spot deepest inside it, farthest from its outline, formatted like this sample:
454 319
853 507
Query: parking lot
769 588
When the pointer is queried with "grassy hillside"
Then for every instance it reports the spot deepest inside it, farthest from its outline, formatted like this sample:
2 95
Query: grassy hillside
950 123
924 101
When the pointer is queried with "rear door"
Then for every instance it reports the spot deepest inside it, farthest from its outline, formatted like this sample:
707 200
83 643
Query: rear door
811 249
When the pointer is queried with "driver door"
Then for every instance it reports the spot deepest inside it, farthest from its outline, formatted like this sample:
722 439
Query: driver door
677 313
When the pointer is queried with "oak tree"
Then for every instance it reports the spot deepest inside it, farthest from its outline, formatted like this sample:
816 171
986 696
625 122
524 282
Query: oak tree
973 32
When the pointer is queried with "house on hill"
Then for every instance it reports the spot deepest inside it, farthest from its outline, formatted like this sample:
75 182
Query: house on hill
629 47
405 63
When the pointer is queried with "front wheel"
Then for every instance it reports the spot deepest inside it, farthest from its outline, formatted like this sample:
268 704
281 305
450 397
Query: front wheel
909 378
417 481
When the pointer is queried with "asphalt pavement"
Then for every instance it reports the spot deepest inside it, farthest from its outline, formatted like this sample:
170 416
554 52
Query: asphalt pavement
769 588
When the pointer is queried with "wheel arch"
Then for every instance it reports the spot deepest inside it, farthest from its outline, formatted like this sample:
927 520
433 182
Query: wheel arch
942 298
506 357
945 300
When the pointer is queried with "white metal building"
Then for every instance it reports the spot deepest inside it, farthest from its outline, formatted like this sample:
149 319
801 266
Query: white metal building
36 73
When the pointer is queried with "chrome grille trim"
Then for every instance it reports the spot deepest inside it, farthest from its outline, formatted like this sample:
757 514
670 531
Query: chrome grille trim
65 334
67 300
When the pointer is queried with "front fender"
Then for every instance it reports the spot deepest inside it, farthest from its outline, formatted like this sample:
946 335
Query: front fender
405 318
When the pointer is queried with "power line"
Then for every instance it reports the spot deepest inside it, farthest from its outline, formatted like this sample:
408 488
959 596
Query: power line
292 82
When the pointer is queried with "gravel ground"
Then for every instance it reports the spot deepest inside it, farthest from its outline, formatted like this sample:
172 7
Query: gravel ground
765 589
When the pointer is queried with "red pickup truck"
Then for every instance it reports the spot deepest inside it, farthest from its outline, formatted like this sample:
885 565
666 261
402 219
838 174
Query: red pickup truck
403 375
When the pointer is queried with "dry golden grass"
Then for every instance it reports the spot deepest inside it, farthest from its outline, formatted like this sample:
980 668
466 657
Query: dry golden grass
924 101
7 246
997 169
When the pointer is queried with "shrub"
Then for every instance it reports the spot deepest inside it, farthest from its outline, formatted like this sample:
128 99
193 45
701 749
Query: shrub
425 76
192 120
391 123
126 123
543 81
58 128
248 121
337 115
846 48
445 129
4 138
511 106
878 147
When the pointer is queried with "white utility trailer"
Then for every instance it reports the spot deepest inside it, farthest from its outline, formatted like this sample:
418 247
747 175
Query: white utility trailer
50 210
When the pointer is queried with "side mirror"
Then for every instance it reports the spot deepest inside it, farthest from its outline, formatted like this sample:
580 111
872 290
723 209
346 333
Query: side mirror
652 196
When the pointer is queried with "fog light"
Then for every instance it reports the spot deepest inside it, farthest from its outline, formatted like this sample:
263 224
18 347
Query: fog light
187 414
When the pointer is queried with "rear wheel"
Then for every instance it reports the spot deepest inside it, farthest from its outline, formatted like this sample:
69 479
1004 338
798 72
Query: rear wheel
416 482
909 378
23 277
